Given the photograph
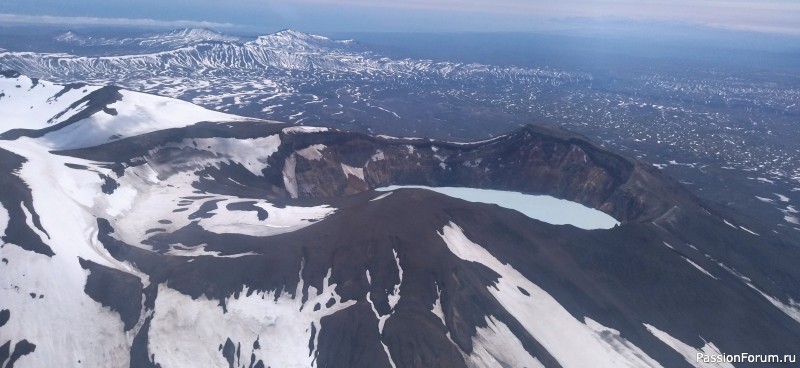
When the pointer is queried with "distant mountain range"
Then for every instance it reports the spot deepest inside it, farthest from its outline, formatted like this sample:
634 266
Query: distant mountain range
144 231
281 75
178 38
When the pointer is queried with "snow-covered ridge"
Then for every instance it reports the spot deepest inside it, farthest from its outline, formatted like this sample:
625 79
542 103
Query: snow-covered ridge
26 103
32 105
281 53
176 38
265 56
292 40
136 113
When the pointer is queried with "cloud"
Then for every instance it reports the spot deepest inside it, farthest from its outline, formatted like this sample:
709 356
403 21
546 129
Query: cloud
139 22
768 16
764 16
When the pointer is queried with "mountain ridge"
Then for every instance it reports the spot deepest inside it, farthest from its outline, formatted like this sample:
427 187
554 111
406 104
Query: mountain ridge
173 38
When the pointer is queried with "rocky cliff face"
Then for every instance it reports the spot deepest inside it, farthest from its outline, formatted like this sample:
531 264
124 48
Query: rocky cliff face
531 160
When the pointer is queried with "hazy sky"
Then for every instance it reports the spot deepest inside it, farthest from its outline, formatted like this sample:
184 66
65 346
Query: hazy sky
773 16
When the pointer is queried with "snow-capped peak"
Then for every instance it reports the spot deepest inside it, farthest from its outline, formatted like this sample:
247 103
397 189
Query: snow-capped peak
292 33
68 36
290 39
199 35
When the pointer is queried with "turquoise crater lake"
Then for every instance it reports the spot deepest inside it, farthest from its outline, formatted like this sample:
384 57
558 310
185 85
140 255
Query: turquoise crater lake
539 207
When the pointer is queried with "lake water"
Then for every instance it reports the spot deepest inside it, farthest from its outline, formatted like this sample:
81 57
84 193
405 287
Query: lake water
540 207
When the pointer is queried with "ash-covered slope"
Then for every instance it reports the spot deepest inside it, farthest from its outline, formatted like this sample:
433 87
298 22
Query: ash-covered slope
203 240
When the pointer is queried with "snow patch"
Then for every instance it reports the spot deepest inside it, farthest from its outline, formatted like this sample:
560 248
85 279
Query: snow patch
782 197
437 307
282 327
279 221
613 337
378 156
4 219
571 342
77 326
748 230
688 352
478 142
121 201
353 171
182 251
381 321
792 309
313 152
250 153
496 346
703 270
304 129
766 200
289 176
394 297
139 205
382 196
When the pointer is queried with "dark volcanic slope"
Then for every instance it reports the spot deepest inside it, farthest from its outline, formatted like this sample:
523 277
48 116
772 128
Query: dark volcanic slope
642 272
617 278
